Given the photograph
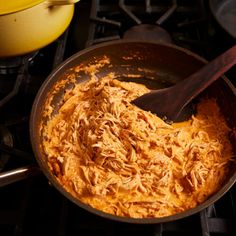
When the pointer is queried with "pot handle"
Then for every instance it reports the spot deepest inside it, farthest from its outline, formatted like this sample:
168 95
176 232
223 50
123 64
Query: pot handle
12 176
51 3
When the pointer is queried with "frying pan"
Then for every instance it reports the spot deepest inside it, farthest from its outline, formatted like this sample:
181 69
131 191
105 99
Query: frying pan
154 64
224 12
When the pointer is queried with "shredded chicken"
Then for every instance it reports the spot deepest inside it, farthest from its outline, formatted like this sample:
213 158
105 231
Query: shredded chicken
128 162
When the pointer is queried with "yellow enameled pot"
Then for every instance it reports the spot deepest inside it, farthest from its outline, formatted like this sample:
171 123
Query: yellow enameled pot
27 25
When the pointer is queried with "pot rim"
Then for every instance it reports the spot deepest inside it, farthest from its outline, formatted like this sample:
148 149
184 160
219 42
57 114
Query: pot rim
14 6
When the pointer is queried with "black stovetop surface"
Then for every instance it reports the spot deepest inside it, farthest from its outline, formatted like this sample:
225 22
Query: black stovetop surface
34 207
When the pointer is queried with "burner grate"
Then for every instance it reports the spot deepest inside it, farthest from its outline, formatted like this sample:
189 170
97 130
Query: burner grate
110 21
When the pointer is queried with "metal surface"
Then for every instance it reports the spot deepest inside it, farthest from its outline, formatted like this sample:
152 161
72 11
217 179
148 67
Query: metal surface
5 139
148 32
22 75
161 61
16 175
225 14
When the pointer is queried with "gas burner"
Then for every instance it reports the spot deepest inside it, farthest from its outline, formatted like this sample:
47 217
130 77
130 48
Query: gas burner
184 22
6 140
148 32
11 65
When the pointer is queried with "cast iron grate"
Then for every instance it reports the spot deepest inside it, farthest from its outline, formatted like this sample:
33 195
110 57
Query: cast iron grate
110 20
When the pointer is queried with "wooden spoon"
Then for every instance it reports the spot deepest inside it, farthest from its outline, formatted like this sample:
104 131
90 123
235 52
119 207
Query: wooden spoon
169 102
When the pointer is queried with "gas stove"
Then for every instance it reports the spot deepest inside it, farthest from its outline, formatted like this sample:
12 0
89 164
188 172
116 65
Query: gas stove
30 205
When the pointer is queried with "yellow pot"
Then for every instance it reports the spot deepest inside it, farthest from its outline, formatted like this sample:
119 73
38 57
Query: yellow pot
27 25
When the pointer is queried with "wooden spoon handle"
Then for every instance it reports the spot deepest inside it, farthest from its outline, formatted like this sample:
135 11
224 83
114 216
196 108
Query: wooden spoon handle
197 82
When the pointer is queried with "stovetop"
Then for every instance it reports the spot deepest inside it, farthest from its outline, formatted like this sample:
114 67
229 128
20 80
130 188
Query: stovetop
32 206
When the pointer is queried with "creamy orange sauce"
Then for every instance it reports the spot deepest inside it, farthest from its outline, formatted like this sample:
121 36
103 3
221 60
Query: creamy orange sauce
125 161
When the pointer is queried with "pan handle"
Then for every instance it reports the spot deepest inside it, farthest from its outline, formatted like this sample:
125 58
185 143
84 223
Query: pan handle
18 174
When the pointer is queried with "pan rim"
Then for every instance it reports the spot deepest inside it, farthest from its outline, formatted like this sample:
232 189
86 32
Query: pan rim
33 133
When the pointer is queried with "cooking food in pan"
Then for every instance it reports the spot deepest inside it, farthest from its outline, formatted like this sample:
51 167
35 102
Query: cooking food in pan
134 168
125 161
